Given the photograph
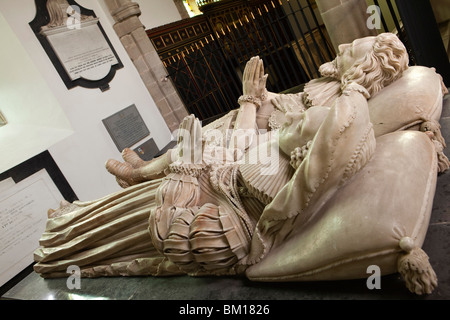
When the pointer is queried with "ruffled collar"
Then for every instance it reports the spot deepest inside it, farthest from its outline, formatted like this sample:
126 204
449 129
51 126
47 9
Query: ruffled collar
317 92
321 92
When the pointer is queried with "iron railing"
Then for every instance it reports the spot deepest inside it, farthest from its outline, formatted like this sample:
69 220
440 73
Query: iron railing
205 56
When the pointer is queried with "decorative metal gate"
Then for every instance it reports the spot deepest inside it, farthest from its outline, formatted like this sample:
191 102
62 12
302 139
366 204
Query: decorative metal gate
205 56
195 63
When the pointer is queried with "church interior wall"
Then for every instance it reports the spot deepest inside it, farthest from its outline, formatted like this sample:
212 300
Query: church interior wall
32 124
68 122
44 116
76 139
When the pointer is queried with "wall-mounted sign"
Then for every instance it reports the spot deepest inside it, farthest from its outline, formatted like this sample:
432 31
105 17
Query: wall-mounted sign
76 43
126 127
23 208
148 150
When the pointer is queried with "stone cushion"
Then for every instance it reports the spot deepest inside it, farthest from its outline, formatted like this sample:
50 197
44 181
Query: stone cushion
415 97
362 224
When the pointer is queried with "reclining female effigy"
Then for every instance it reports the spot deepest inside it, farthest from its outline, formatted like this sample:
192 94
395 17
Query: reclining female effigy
343 178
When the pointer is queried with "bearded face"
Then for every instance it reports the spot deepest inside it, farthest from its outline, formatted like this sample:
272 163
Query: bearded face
348 55
373 62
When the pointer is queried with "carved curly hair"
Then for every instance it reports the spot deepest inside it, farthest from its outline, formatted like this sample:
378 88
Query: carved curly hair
379 67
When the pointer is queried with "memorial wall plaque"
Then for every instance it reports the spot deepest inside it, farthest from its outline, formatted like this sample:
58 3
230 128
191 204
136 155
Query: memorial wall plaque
126 127
23 219
76 43
148 150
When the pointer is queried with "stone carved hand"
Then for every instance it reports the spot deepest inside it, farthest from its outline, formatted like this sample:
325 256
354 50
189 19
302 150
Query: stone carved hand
285 103
254 80
126 172
134 170
189 143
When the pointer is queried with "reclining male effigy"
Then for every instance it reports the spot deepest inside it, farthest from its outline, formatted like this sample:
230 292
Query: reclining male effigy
342 177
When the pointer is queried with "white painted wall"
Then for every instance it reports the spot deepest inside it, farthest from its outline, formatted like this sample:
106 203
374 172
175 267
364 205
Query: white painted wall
30 129
81 155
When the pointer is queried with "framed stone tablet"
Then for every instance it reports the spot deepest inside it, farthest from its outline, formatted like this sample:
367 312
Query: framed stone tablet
27 192
148 150
126 127
22 220
76 43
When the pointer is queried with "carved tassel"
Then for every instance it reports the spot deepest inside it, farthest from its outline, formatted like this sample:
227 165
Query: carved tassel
415 268
443 162
433 129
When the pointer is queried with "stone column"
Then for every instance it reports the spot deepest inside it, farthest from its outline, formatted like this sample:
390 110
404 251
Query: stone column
345 20
181 9
144 56
441 11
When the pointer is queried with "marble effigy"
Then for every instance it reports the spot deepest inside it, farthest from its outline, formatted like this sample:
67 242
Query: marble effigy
318 185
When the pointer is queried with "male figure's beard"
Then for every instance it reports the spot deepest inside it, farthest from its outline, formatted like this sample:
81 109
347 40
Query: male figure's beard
330 69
